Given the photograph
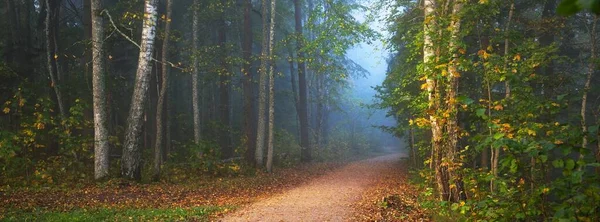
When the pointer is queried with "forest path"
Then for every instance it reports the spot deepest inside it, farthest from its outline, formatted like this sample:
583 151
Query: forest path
326 198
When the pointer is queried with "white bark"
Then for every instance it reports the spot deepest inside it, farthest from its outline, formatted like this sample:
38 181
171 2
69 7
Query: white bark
262 94
271 90
101 145
131 168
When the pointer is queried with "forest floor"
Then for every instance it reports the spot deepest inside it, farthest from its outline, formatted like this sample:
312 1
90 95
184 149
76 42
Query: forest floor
375 189
366 190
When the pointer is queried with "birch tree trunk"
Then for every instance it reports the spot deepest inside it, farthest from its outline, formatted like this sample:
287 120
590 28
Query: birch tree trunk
195 73
164 89
131 160
262 94
271 90
101 145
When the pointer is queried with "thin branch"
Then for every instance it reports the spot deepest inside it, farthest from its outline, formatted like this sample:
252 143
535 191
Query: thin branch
173 65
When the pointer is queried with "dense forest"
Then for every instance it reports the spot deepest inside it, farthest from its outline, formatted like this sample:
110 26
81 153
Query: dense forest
131 88
174 110
500 103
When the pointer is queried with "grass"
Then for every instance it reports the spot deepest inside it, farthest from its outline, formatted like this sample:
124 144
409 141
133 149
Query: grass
105 214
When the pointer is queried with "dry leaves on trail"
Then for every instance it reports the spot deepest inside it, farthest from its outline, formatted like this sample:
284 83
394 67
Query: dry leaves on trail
391 198
213 191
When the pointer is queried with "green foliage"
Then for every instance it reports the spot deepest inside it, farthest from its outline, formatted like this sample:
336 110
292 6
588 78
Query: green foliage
286 151
543 173
570 7
45 149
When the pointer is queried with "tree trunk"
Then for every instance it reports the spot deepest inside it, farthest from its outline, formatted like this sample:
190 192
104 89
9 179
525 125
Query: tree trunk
586 87
224 83
294 91
131 160
248 87
51 55
262 94
160 106
101 145
452 128
496 150
87 35
436 130
271 90
510 15
195 73
306 151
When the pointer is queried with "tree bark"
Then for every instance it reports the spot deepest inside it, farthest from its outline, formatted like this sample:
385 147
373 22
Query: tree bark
131 160
196 73
248 87
262 94
506 42
586 87
294 91
306 151
224 83
271 90
51 55
433 105
101 145
160 106
452 128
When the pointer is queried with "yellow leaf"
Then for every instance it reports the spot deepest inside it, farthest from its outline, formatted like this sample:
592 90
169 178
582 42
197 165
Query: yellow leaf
558 142
6 110
498 107
424 86
55 56
531 132
517 57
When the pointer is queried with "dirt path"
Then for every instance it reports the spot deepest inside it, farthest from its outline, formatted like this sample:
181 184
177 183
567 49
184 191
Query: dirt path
326 198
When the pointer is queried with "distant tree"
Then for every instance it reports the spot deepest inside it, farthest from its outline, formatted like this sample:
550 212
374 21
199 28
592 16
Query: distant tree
164 89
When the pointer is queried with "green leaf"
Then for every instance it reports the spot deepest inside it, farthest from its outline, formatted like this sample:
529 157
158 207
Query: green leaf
480 112
465 100
561 97
558 163
543 158
568 7
569 164
498 135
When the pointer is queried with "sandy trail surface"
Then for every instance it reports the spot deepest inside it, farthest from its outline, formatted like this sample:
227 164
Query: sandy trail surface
326 198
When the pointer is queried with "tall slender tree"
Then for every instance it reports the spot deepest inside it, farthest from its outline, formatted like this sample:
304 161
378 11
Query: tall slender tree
262 94
306 152
271 89
195 72
52 10
164 89
249 117
131 160
101 145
